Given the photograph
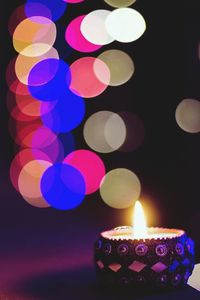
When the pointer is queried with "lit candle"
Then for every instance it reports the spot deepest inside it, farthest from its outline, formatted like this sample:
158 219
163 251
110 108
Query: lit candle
139 222
139 230
138 255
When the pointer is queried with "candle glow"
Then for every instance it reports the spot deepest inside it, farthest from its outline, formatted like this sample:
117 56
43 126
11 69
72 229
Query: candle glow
139 222
139 229
159 257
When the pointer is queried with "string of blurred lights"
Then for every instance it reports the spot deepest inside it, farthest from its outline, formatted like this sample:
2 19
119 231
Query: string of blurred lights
46 100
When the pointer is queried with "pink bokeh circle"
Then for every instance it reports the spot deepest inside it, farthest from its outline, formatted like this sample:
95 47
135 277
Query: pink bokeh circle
76 40
90 165
90 77
73 1
21 159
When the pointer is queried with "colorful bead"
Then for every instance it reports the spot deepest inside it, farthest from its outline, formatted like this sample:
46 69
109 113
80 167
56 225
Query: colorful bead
98 245
179 249
107 248
161 250
122 249
141 249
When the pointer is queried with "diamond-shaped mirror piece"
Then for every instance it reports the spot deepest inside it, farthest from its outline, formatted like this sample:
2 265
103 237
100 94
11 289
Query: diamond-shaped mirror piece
159 267
137 266
100 264
115 267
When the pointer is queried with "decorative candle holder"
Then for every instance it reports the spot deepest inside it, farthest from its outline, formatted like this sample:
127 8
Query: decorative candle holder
165 259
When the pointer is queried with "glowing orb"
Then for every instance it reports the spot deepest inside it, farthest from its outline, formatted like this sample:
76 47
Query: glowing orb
89 81
34 36
120 188
32 136
44 7
188 115
21 159
104 131
66 115
120 3
29 182
35 136
75 38
93 27
49 80
55 150
63 186
24 64
125 25
120 65
90 166
30 107
20 116
13 82
74 1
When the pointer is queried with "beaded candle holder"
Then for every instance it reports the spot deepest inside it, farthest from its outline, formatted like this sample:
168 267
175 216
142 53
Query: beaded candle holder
163 259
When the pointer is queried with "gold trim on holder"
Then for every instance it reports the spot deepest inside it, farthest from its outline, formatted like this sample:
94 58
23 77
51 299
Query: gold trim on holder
153 233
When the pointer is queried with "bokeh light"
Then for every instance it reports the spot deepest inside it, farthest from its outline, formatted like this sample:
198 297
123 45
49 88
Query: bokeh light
75 38
88 81
46 103
93 27
49 80
194 278
35 136
115 130
29 182
74 1
26 106
12 81
90 166
30 135
135 131
21 159
66 115
55 150
120 64
34 36
120 188
19 116
32 9
125 25
44 7
24 64
120 3
104 131
63 186
30 107
188 115
68 141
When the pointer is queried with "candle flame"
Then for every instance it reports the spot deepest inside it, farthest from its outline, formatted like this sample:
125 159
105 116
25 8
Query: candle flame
139 222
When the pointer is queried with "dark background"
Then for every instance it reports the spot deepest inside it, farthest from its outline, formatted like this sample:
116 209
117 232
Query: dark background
168 163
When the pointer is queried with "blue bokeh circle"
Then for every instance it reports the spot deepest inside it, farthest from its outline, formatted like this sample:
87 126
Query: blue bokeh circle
49 79
66 115
55 8
63 186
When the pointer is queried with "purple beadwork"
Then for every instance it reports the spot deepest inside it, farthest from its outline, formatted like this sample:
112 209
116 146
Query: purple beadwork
149 263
